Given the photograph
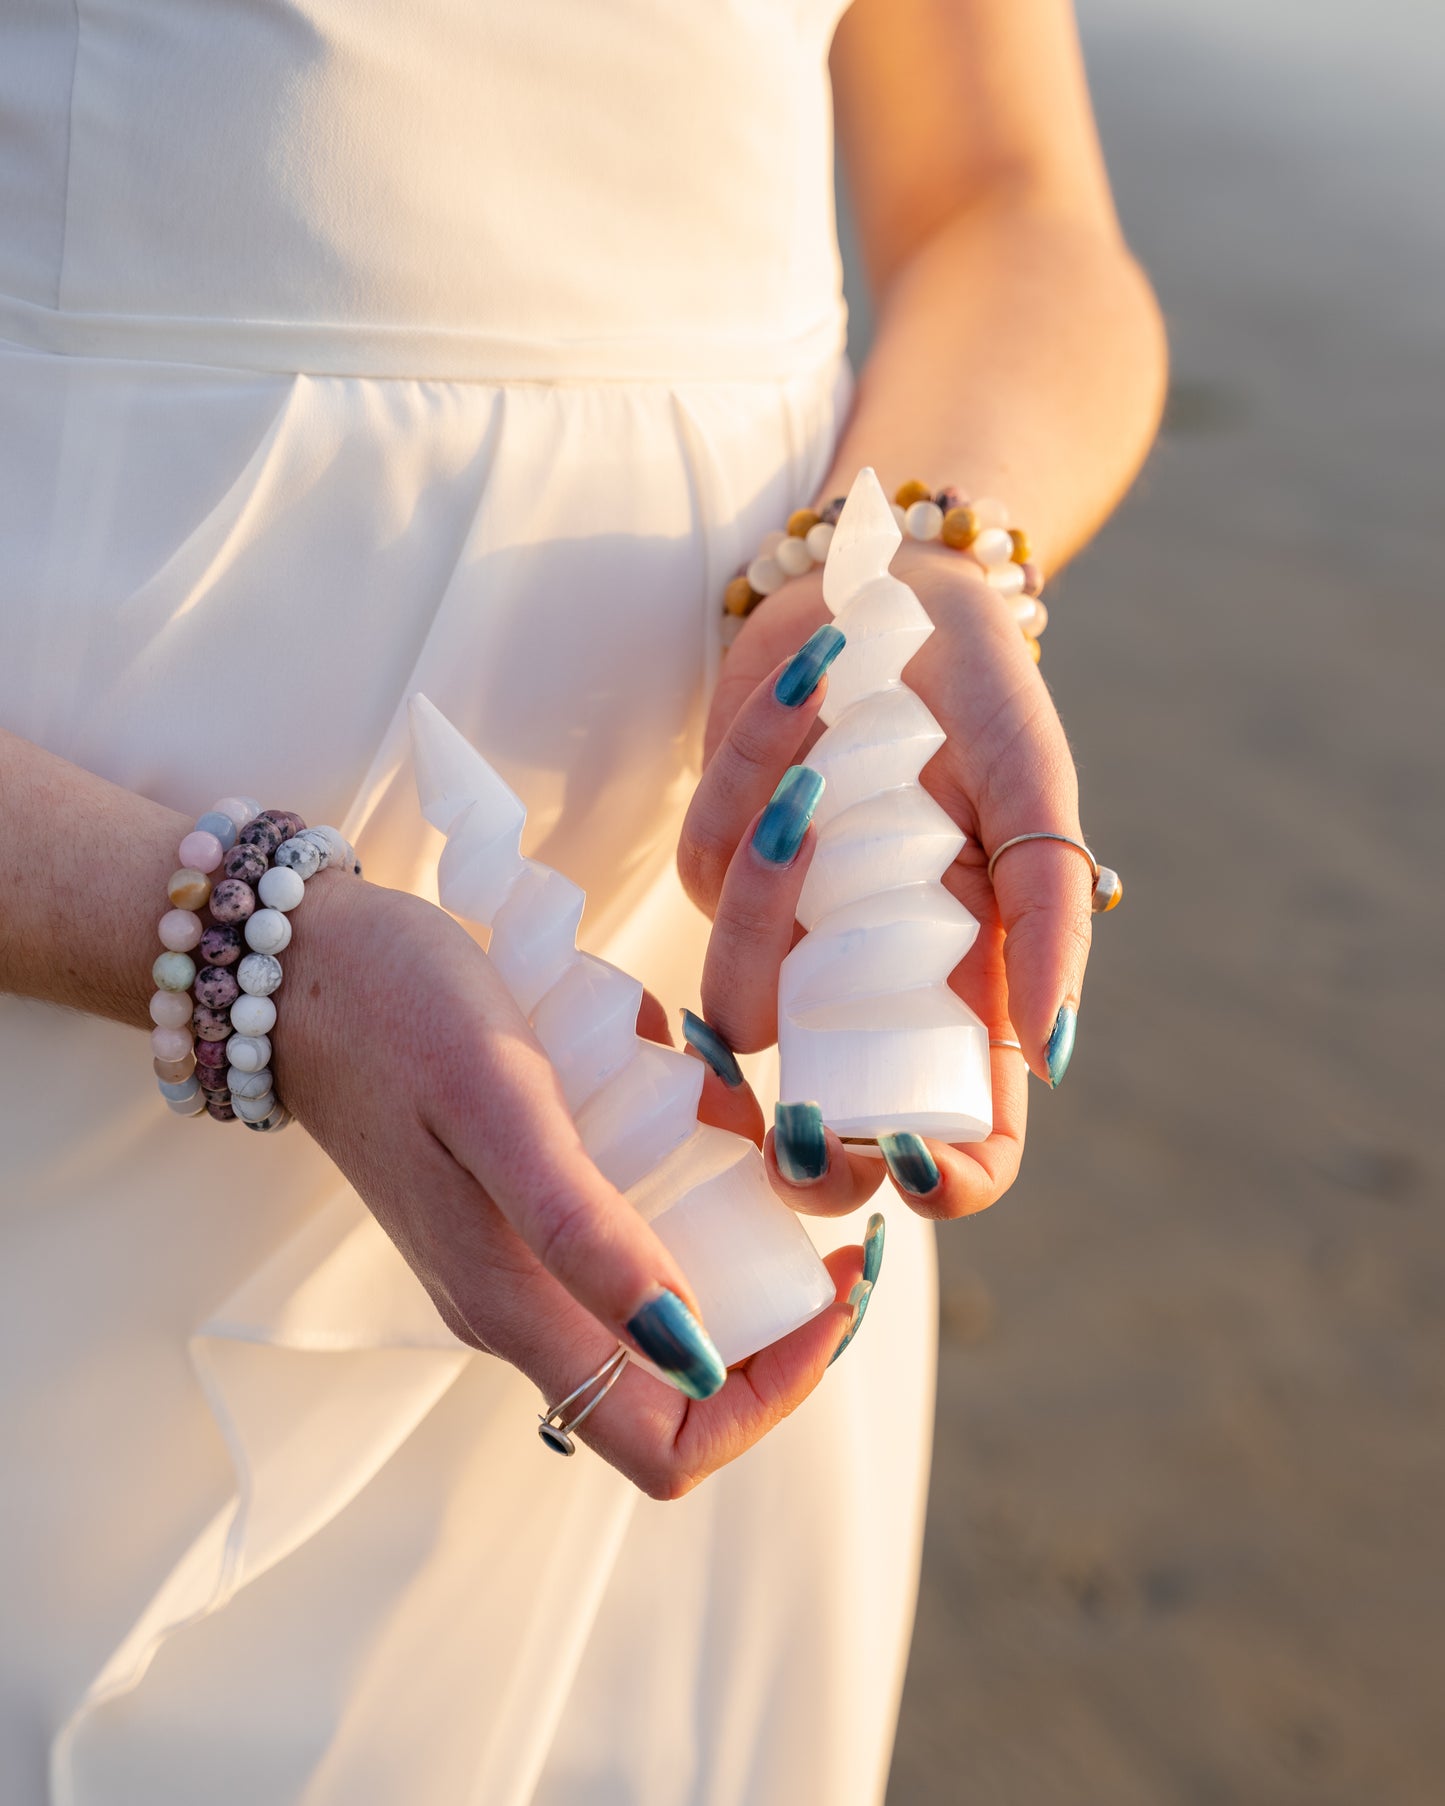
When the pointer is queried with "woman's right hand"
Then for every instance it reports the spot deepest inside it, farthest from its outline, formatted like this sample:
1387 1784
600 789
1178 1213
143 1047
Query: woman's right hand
406 1059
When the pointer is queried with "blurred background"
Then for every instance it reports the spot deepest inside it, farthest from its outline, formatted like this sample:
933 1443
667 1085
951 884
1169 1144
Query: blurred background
1186 1536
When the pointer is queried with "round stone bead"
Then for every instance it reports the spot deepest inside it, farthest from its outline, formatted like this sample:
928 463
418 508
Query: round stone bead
793 557
739 597
246 861
802 521
222 944
960 528
993 546
765 574
333 843
261 833
211 1025
909 493
925 520
259 974
232 901
278 1119
220 1109
170 1009
249 1052
253 1015
268 931
201 849
948 498
181 1089
224 827
818 541
1109 891
216 987
1023 551
212 1080
174 972
237 808
991 512
1007 579
1033 579
171 1072
833 512
252 1109
287 820
187 1106
299 856
212 1054
770 542
180 930
281 888
1036 651
249 1084
189 888
1026 611
170 1043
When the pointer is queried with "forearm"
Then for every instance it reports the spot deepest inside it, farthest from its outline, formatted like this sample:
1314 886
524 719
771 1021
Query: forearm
83 870
1020 354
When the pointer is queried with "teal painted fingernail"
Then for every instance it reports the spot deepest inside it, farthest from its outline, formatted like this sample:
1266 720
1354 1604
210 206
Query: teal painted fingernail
858 1298
1060 1049
799 1146
672 1338
913 1168
709 1043
799 677
784 822
873 1246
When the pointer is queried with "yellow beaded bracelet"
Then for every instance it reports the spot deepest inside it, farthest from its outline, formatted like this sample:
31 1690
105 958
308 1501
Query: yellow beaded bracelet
980 530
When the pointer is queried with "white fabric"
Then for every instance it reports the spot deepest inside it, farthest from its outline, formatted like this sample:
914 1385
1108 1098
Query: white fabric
347 349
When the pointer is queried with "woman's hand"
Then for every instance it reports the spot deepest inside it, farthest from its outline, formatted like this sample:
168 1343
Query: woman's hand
404 1056
1005 769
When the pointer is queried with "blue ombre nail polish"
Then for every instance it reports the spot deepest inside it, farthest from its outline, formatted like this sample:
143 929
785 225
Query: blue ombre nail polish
913 1168
799 1146
1060 1049
672 1338
858 1298
873 1246
799 677
705 1040
784 822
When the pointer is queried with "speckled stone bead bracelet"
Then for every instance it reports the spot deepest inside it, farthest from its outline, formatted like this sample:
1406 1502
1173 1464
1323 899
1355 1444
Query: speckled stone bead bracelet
211 1040
979 530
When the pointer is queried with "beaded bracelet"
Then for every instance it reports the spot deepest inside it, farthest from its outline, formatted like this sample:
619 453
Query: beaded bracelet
211 1048
978 529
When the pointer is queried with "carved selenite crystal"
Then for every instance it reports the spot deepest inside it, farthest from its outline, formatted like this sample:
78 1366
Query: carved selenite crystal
756 1274
867 1025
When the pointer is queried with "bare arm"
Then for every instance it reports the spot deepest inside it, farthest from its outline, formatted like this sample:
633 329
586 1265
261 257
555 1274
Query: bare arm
1019 350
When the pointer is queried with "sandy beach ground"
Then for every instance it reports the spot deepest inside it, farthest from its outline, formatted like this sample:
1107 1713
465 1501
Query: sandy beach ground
1186 1538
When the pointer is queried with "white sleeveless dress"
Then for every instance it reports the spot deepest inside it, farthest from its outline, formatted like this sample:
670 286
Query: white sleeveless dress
346 349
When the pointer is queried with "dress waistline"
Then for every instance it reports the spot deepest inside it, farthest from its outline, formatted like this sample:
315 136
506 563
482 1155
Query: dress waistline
421 353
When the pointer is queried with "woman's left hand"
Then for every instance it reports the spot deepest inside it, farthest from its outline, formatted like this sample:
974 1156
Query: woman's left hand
1004 770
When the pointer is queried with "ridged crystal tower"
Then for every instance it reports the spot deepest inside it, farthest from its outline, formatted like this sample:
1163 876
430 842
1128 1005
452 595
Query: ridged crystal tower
868 1027
756 1274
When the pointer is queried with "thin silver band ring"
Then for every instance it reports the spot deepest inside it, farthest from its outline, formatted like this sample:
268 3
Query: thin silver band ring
1107 887
998 1041
556 1425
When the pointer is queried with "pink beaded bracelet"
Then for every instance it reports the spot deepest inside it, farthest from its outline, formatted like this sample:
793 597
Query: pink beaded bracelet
211 1041
979 530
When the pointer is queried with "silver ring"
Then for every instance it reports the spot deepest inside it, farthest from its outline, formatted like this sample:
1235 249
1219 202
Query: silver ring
1108 886
998 1041
557 1434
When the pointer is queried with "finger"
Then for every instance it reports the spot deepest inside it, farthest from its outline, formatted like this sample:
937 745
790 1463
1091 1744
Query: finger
756 911
727 1099
811 1170
501 1115
762 739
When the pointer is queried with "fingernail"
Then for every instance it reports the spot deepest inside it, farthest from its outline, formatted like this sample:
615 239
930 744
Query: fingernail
799 677
710 1044
799 1146
784 822
913 1168
873 1246
1060 1049
858 1298
672 1338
